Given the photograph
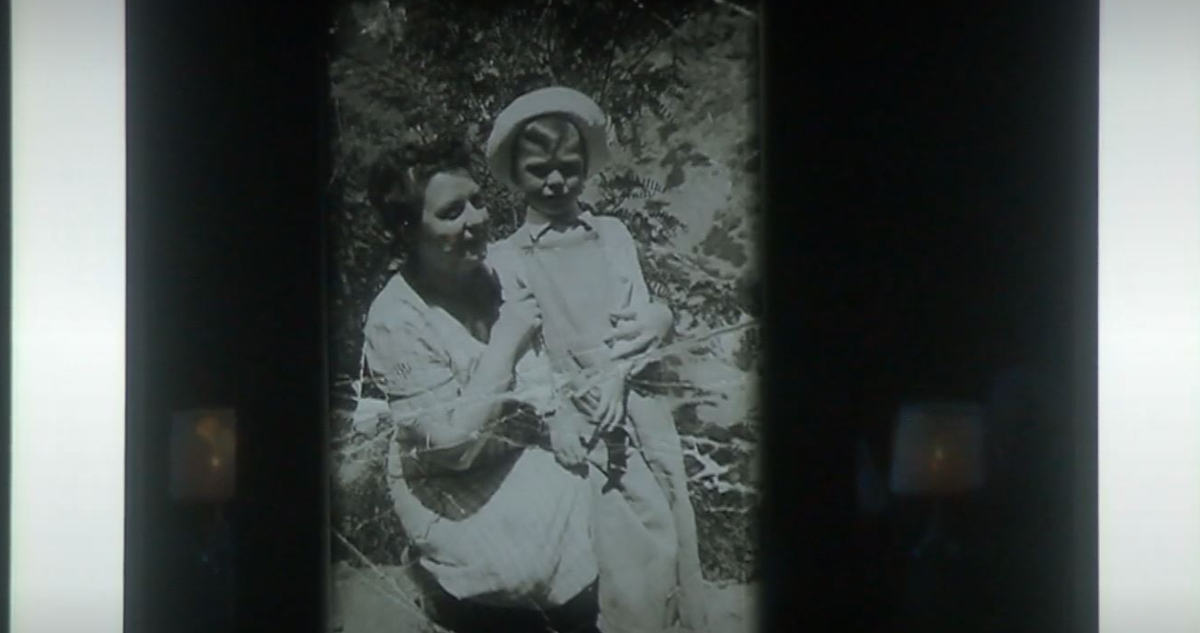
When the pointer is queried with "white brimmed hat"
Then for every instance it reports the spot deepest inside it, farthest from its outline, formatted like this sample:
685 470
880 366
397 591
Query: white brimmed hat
574 105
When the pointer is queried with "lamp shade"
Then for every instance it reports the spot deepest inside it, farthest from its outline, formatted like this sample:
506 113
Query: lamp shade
938 449
203 450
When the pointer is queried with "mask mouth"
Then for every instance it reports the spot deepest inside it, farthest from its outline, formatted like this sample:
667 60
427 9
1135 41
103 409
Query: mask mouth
557 200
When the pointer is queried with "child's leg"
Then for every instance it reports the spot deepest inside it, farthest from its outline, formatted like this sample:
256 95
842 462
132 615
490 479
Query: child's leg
633 533
654 427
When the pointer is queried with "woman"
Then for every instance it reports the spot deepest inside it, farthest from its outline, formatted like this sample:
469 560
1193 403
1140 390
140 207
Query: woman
501 528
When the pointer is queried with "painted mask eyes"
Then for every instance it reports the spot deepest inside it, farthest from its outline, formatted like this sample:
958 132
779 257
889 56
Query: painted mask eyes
566 170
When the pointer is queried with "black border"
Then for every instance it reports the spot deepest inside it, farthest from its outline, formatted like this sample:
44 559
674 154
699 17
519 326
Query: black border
822 61
226 247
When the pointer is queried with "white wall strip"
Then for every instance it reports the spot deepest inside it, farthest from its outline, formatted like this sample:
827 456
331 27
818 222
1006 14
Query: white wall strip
68 363
1149 319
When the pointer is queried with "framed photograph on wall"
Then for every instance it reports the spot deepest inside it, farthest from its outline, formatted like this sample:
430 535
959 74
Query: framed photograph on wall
544 237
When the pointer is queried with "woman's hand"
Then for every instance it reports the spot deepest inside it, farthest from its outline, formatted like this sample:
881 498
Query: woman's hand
605 403
519 319
567 438
637 331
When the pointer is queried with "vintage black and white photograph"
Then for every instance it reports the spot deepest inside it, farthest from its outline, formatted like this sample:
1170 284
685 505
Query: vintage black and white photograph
544 310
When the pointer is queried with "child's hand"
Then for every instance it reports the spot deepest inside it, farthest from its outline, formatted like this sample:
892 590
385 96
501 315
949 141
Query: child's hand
566 440
605 404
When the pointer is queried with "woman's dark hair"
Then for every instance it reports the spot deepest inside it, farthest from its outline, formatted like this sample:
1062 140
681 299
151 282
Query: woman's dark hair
396 180
396 184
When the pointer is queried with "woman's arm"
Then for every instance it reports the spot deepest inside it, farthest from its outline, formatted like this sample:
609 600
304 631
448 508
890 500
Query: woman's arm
642 324
640 329
426 396
478 403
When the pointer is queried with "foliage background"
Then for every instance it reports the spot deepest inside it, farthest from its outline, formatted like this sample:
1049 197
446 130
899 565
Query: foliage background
679 81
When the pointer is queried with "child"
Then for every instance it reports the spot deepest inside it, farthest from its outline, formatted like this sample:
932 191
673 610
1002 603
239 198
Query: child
583 270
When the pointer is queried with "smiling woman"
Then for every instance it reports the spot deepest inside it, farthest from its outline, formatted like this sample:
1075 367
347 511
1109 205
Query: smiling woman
438 220
442 350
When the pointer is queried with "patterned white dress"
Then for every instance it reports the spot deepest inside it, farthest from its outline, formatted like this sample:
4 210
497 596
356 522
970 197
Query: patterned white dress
512 529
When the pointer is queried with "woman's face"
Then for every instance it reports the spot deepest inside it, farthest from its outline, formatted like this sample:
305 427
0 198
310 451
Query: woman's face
452 236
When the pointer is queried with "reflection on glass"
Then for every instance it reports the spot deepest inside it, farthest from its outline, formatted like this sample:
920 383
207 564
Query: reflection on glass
203 447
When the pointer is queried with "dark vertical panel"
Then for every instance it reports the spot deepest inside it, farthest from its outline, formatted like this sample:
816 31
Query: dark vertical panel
225 163
932 195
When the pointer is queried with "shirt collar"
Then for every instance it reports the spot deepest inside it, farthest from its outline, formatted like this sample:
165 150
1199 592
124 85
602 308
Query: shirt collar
534 232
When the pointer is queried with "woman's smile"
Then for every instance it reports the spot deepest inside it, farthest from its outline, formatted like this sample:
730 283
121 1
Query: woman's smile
454 225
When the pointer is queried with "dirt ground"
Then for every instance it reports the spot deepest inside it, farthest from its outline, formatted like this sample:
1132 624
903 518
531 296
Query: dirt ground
382 601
